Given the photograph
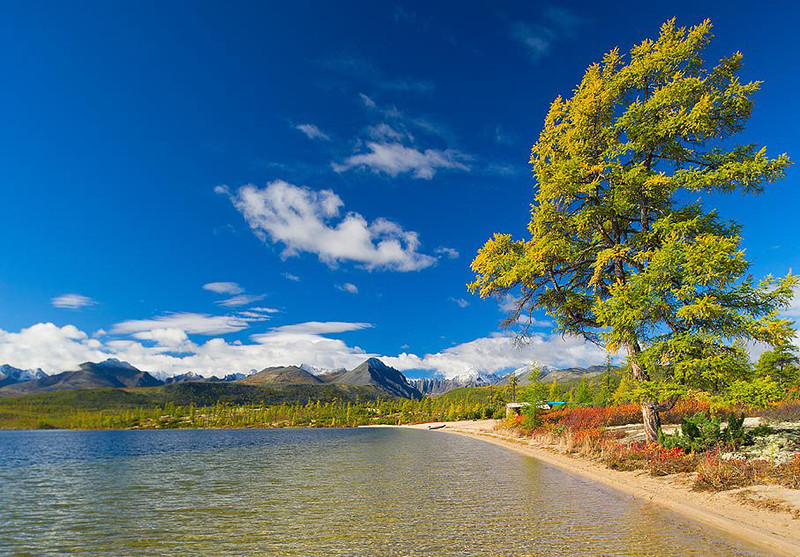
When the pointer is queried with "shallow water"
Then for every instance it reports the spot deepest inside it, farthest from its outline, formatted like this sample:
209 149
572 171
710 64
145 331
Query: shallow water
315 492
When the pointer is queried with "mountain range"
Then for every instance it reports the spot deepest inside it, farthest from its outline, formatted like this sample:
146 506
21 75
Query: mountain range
10 375
89 375
113 373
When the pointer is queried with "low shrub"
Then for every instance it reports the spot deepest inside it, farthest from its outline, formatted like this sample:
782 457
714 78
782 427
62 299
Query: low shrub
717 474
657 460
701 432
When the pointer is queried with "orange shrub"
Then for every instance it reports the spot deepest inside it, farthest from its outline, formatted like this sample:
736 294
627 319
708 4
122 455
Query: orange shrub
648 456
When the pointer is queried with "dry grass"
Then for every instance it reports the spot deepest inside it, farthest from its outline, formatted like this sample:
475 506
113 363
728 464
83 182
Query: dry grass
772 504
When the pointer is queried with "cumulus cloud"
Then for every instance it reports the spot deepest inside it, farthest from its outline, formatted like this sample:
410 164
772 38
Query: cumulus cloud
192 323
56 349
394 158
348 287
72 301
304 220
161 345
241 300
499 352
449 252
224 288
312 132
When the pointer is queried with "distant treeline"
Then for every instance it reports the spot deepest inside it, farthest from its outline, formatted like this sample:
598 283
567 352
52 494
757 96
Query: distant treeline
122 409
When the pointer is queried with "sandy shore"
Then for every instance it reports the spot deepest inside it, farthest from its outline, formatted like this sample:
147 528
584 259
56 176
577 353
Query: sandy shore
776 532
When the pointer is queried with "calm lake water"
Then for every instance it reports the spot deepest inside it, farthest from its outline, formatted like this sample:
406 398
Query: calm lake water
314 492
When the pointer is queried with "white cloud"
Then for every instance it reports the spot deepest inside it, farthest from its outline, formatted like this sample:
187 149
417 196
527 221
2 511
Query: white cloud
385 132
309 221
394 158
241 300
253 316
265 310
192 323
315 328
460 302
290 276
449 252
170 337
312 132
72 301
160 345
224 287
499 352
348 287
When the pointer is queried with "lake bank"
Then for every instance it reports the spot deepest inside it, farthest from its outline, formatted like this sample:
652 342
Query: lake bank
722 511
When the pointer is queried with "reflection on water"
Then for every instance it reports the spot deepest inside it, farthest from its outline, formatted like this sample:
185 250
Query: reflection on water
314 492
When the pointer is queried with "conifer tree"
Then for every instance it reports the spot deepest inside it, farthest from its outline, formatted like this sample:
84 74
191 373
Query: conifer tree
618 252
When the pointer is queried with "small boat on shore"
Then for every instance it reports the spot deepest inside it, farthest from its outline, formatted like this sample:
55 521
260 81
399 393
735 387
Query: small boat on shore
440 426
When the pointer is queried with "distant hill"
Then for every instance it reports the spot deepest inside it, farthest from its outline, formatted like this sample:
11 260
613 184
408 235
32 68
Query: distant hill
573 374
375 373
289 375
183 377
10 375
110 373
206 393
435 386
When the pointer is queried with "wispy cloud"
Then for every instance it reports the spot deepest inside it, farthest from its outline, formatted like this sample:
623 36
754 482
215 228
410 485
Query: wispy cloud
449 252
290 276
223 288
460 302
360 69
72 301
312 132
538 38
241 300
304 220
316 328
348 287
395 158
192 323
265 310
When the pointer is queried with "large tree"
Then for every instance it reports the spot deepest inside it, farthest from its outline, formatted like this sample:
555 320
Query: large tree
620 252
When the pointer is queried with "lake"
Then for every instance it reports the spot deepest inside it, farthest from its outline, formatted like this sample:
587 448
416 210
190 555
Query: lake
315 492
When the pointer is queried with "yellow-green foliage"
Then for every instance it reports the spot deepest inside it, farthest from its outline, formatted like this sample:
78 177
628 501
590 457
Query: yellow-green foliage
614 253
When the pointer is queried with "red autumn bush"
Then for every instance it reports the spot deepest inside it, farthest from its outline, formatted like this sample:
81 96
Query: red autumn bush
648 456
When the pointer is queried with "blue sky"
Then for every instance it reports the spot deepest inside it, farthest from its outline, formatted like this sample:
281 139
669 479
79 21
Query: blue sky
339 162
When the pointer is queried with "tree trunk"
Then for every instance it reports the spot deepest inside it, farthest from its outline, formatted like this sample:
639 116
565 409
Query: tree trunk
650 416
652 422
